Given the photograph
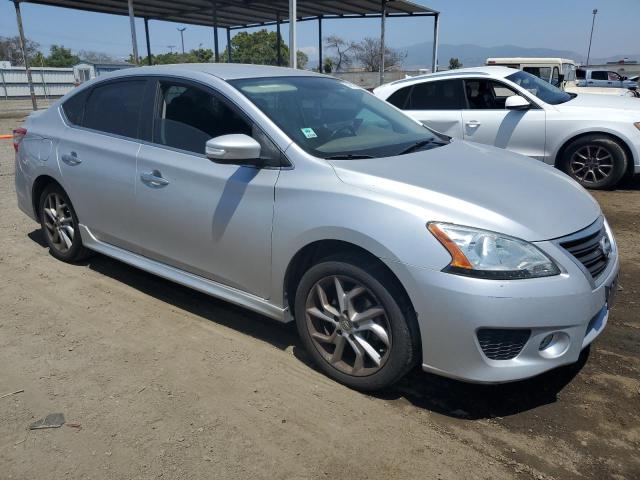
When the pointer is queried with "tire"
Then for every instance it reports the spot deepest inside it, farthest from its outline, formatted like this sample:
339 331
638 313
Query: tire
372 291
59 224
595 161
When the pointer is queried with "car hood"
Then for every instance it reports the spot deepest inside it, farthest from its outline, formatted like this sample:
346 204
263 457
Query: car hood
611 102
478 186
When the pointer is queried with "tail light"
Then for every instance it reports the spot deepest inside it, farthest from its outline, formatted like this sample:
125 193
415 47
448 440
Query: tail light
18 135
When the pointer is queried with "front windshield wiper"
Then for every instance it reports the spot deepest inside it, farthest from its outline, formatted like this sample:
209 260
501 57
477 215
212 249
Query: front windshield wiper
422 143
347 156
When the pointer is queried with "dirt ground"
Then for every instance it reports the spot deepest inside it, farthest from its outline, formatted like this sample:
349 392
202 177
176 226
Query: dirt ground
164 382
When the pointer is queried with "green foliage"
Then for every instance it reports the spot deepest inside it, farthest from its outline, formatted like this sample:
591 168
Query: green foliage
60 57
454 63
302 59
258 48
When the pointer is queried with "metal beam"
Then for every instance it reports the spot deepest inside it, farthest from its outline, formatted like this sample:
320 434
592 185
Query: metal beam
23 47
436 28
216 47
383 16
134 41
146 35
278 41
229 60
320 44
293 57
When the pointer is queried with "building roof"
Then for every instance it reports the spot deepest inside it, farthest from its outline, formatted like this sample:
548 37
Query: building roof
242 13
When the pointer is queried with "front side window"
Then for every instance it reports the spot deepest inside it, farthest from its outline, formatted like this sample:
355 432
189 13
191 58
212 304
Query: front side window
613 76
115 108
539 88
487 94
329 118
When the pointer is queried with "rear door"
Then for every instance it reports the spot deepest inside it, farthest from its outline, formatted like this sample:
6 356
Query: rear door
209 219
487 121
437 104
97 157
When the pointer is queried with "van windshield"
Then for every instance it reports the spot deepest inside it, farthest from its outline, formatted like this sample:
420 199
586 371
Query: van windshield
333 119
541 89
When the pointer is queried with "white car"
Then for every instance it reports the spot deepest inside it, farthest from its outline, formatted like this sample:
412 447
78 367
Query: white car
593 138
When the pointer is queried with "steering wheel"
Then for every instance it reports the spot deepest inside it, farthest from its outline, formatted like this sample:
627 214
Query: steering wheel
346 130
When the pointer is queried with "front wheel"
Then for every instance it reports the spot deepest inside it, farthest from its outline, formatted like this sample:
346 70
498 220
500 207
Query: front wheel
352 320
595 161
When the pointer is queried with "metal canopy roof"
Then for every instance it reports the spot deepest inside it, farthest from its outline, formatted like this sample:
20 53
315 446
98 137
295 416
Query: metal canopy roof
234 14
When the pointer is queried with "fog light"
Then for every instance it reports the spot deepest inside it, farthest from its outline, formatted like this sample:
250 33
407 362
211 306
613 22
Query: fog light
554 345
545 342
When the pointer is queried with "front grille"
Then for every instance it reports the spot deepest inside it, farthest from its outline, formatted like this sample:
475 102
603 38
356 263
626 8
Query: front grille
589 252
502 343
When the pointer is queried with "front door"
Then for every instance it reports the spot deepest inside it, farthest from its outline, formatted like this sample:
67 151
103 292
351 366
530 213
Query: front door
486 120
209 219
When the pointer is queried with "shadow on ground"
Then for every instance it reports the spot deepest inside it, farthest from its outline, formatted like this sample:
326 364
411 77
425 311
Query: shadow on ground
431 392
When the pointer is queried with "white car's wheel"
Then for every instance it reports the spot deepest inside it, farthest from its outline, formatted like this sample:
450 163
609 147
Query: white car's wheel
595 161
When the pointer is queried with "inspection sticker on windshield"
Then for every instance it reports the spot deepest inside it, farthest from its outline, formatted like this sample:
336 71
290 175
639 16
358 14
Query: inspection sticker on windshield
309 133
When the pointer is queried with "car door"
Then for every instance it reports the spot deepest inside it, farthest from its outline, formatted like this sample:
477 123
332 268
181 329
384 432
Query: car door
486 120
209 219
97 156
437 104
599 78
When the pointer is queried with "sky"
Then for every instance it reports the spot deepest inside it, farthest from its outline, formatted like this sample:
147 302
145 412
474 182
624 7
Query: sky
562 24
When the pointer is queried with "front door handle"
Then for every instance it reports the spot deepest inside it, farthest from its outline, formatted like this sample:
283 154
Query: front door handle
71 159
154 179
472 123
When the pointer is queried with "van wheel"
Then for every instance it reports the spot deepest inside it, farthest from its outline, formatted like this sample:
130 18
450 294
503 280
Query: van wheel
353 322
60 225
595 161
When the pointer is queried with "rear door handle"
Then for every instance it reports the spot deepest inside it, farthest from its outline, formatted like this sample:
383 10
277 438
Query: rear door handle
154 179
71 159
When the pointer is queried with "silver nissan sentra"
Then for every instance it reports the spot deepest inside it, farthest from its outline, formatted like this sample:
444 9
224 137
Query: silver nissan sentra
305 198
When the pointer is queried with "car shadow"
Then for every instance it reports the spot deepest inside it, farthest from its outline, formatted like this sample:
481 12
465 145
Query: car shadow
441 395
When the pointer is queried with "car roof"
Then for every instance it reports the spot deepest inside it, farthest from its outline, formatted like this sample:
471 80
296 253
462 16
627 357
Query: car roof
224 71
488 71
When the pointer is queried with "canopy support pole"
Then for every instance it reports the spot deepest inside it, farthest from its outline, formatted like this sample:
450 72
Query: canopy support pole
23 47
293 16
436 28
382 42
278 40
320 43
134 41
229 45
216 47
146 34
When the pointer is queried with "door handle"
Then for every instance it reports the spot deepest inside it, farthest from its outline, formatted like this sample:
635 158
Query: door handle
71 159
472 123
154 179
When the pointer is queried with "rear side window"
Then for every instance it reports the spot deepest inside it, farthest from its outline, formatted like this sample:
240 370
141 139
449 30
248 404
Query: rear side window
115 108
439 95
399 97
74 107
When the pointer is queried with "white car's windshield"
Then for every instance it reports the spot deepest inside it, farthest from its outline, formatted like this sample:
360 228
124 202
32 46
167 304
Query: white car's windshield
329 118
538 87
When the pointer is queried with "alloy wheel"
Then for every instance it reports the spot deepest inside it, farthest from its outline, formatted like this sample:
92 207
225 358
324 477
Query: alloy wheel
58 221
591 164
348 325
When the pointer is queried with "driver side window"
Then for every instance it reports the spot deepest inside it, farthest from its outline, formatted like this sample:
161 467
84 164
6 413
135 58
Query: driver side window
487 94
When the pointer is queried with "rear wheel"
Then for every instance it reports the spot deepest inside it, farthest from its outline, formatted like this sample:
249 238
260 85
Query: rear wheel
595 161
60 225
352 320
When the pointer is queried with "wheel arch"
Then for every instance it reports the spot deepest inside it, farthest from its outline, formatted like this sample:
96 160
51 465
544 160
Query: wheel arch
39 184
618 139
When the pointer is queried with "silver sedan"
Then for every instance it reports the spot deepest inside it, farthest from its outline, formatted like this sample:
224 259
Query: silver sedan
305 198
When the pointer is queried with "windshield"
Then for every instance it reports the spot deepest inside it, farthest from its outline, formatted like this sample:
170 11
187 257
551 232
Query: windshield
538 87
329 118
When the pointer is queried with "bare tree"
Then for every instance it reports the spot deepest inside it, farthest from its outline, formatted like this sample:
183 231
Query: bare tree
10 49
367 54
96 57
343 52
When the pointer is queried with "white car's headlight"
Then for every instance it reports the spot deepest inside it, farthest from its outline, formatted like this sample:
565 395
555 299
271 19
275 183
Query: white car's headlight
483 254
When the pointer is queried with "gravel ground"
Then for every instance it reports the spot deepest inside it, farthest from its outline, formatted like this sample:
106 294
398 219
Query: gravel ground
161 381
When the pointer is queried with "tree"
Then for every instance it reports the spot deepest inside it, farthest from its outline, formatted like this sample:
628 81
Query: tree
328 65
61 57
302 59
454 63
258 48
367 53
343 52
10 50
96 57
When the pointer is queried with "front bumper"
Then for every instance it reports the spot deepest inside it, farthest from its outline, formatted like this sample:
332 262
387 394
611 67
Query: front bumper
451 309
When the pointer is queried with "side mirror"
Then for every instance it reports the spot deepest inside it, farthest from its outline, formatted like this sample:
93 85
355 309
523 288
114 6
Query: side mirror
234 149
516 102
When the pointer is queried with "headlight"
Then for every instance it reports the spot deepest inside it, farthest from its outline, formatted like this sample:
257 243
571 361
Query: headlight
483 254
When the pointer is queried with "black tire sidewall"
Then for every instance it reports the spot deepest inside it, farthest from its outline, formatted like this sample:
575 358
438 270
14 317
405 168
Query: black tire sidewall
403 353
614 148
76 251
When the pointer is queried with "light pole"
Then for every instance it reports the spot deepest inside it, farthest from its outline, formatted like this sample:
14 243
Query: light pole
171 47
593 22
181 30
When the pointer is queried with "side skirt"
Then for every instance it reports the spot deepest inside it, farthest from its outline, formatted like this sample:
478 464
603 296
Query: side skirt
187 279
